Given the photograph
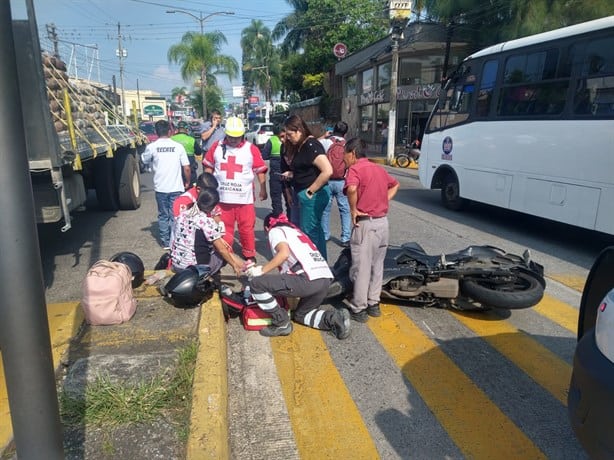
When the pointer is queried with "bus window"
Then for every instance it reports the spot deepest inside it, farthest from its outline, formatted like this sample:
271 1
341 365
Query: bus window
487 84
594 94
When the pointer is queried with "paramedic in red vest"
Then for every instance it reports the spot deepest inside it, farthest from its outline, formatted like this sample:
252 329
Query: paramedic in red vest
297 269
336 183
235 163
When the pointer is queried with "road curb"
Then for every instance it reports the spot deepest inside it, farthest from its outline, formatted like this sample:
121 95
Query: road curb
208 437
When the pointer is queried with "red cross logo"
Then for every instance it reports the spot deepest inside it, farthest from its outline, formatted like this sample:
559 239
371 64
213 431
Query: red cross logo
231 167
304 239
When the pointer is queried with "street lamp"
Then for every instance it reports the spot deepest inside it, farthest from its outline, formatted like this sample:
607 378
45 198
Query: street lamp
200 18
267 90
399 12
203 71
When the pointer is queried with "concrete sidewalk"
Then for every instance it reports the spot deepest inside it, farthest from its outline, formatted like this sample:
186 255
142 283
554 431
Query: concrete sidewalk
144 348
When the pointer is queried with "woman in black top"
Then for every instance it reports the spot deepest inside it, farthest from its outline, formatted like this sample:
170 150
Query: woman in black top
310 173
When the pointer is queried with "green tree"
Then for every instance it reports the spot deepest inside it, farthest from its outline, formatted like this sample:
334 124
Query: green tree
485 23
178 92
315 26
199 56
214 98
261 62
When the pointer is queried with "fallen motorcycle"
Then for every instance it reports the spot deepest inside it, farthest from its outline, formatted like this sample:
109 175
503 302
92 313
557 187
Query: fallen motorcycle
477 277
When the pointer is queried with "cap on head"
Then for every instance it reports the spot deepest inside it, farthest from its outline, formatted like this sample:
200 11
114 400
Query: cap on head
182 125
234 127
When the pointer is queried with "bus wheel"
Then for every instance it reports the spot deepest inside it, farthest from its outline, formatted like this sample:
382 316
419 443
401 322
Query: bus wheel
450 193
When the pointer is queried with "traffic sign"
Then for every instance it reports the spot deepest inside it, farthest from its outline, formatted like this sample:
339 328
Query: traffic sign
153 110
340 50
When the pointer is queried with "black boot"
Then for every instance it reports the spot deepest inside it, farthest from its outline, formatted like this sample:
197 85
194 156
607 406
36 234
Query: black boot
280 323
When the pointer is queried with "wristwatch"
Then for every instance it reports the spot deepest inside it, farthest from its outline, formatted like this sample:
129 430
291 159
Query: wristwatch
309 193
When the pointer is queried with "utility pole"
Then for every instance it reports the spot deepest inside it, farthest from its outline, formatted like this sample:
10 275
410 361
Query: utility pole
53 36
121 54
399 12
138 98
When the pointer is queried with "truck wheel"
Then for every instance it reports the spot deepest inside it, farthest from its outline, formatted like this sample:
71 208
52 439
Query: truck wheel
450 193
104 182
128 179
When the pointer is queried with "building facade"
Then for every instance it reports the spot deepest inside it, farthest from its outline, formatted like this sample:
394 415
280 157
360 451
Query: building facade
366 77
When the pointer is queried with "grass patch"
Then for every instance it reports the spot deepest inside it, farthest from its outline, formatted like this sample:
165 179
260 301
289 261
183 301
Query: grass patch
106 403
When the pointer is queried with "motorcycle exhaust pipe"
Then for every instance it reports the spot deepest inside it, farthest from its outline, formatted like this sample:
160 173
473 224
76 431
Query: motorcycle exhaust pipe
444 288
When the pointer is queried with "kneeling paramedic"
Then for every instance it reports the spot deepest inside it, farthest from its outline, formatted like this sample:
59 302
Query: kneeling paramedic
302 272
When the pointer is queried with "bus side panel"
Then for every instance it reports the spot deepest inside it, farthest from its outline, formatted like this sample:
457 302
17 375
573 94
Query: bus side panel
563 202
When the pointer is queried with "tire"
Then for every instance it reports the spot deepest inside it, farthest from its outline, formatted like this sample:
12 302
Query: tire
104 183
403 161
523 292
128 180
450 193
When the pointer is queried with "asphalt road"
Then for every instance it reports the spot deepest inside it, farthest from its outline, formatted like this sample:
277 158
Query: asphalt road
415 383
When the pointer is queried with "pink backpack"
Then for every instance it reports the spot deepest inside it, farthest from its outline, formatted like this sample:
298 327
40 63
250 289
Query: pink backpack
107 294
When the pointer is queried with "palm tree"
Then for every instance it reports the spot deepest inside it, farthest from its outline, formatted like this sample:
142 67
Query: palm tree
199 56
178 93
261 63
291 28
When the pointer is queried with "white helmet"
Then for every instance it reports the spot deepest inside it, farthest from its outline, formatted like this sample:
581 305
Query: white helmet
234 127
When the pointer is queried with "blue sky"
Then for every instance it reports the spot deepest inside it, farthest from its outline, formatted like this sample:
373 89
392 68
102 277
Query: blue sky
147 31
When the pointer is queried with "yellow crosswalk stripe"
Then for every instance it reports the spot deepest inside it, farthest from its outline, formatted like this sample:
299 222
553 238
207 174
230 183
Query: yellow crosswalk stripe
543 366
326 423
464 411
558 312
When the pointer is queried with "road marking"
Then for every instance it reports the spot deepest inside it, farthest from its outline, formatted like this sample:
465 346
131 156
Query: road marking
539 363
324 417
558 312
464 411
574 282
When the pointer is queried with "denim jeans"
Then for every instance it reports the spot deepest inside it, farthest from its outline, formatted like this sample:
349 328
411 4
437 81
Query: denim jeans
336 192
311 210
165 215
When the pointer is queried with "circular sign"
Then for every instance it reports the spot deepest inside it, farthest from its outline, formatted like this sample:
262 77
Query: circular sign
153 110
340 50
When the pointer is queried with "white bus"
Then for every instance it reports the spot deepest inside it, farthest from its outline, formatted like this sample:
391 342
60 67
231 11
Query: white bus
528 125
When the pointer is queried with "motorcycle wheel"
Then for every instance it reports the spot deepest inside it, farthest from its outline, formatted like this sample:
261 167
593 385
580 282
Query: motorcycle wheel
402 161
523 291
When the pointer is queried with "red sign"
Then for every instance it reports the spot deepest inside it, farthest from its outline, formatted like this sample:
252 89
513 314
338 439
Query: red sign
340 50
254 99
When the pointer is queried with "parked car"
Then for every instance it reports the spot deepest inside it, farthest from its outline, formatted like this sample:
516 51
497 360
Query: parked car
195 127
259 134
148 128
590 400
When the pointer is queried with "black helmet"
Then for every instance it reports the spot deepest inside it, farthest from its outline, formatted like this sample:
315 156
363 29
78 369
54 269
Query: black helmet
190 287
182 125
135 264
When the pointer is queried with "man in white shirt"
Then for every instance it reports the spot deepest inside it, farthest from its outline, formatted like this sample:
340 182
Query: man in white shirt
171 168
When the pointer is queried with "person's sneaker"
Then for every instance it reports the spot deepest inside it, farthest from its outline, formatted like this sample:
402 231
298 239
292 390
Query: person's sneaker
374 310
341 324
361 316
335 290
345 244
275 331
251 259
